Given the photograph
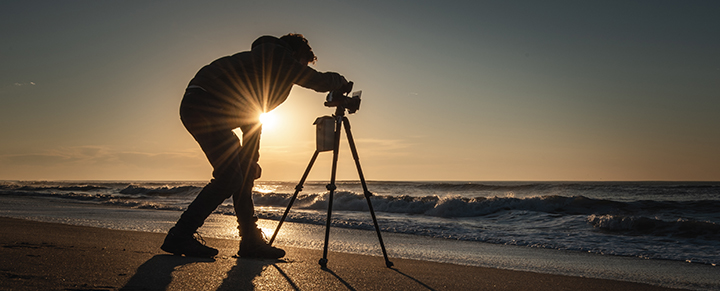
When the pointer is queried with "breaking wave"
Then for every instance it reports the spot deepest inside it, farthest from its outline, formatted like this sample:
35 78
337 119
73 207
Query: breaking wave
457 206
162 191
637 225
659 220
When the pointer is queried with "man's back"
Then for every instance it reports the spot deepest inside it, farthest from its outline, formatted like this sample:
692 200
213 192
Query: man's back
259 80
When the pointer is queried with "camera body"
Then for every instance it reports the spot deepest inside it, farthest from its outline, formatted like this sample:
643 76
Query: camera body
339 98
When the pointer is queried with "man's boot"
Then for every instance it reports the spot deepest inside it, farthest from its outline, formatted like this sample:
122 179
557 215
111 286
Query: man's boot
253 245
190 244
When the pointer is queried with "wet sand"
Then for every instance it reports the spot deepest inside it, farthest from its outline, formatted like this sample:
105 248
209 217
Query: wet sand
48 256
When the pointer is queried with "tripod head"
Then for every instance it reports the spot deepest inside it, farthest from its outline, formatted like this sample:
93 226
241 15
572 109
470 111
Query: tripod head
339 99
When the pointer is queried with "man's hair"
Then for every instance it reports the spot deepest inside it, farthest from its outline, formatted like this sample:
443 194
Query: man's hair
300 46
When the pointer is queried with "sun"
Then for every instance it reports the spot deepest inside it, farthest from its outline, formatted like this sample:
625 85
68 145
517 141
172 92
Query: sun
268 120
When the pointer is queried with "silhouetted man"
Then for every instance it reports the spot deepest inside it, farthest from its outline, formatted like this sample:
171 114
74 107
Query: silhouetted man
230 93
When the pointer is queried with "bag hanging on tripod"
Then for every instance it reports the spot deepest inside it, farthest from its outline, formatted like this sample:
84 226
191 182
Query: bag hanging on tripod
325 133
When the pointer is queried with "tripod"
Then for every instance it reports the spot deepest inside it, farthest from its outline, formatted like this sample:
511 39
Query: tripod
340 120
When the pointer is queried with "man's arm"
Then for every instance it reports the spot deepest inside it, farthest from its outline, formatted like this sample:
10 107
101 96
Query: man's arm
320 82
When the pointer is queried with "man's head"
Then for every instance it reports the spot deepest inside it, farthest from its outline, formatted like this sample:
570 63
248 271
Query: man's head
302 50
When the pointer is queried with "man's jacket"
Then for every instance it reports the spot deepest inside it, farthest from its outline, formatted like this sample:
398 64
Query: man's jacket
249 83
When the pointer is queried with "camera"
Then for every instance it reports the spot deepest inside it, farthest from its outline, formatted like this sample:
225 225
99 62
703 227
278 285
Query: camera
338 98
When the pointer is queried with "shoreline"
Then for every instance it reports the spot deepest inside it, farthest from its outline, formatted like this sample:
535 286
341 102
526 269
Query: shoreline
51 256
671 274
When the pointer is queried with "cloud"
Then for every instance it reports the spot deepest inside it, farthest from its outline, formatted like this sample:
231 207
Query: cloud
40 159
99 155
103 163
25 84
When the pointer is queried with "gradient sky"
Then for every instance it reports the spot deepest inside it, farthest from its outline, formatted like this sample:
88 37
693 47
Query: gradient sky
452 90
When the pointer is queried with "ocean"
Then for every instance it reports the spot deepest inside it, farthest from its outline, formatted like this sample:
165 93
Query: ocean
674 226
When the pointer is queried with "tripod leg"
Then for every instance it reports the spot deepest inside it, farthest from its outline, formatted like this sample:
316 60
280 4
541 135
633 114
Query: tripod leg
331 187
367 193
298 188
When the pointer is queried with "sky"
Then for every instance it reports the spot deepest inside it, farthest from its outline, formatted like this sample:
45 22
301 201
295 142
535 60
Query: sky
451 90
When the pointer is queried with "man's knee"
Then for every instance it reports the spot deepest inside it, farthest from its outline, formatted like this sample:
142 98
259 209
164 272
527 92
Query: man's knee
227 184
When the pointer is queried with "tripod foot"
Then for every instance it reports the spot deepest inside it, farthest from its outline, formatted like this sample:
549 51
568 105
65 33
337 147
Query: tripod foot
323 263
389 264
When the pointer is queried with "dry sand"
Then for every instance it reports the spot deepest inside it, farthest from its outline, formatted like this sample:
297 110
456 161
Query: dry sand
47 256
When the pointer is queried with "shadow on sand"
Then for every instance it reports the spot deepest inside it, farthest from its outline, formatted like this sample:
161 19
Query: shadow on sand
412 278
156 273
350 287
242 275
289 280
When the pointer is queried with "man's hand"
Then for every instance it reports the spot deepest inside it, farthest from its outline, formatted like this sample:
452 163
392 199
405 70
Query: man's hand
335 82
346 88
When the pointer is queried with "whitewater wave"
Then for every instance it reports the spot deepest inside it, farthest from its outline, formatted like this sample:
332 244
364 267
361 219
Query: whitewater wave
69 195
636 225
457 206
660 220
7 186
472 187
448 206
161 191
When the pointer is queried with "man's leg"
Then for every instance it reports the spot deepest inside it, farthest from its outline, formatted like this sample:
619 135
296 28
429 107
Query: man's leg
253 242
249 156
181 238
222 148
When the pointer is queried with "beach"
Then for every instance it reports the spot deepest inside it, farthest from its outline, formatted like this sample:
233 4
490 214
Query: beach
50 256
